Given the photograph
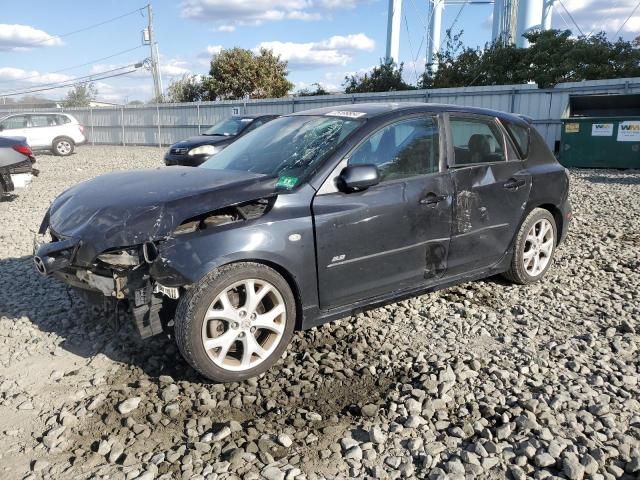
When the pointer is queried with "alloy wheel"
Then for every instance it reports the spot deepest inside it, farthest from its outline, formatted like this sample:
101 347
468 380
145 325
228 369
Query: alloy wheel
538 247
63 147
244 324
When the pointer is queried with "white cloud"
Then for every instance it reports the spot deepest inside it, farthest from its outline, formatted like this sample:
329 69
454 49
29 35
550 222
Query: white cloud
22 37
109 92
214 49
227 15
337 50
12 78
596 15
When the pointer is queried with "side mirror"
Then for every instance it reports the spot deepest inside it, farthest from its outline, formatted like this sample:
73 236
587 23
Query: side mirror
355 178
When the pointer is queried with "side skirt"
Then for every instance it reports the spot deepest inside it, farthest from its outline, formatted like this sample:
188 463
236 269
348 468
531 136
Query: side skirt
314 317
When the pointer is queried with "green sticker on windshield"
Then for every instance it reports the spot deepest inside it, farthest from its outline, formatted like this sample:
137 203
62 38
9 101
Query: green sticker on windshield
287 182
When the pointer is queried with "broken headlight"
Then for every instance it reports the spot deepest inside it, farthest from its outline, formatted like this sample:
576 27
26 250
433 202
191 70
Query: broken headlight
204 150
121 258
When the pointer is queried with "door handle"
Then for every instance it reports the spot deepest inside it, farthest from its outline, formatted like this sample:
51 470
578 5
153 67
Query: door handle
514 184
432 199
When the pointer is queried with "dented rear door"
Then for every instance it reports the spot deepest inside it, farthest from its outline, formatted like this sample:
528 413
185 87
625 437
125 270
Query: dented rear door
490 196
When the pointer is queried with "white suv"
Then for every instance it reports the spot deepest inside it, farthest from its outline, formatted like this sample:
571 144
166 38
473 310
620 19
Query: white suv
58 132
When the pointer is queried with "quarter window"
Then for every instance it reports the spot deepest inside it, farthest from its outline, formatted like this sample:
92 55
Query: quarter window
520 136
17 121
402 150
62 119
476 141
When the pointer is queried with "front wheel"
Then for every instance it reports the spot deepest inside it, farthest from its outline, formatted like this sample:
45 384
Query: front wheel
236 322
63 146
534 247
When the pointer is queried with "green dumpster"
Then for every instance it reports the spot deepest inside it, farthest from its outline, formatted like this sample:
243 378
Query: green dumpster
601 131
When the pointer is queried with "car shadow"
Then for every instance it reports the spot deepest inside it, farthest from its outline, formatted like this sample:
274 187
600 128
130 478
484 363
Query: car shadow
628 180
85 330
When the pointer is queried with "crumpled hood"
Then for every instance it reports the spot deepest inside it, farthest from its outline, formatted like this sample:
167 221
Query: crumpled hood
128 208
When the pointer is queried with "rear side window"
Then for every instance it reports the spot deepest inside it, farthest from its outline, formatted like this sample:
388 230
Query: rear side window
476 141
43 120
521 137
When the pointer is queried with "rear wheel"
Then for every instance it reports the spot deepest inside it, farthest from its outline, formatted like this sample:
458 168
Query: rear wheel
236 323
63 146
534 247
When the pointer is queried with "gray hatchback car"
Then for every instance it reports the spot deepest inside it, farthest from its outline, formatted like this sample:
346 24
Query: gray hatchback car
309 218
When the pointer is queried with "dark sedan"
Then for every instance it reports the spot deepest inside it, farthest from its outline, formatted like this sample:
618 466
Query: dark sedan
310 218
16 164
196 150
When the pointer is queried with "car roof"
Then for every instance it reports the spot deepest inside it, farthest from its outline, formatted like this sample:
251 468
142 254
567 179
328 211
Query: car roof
373 110
256 115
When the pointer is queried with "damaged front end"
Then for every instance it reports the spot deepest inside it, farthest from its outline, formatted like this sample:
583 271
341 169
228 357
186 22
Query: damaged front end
116 278
125 279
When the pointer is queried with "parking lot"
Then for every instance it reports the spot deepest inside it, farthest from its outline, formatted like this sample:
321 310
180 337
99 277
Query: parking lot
486 379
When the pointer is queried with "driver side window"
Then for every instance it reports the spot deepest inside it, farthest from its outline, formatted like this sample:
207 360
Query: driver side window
404 149
17 121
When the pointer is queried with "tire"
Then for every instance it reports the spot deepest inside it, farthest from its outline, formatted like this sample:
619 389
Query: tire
63 146
533 249
232 325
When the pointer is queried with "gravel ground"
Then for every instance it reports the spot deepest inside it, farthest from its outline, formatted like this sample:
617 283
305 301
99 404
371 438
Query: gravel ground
483 380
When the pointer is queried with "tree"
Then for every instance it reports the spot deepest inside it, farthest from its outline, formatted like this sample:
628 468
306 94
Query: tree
385 77
238 72
553 56
81 95
305 92
188 88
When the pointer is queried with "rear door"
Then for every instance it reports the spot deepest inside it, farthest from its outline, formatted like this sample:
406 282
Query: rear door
42 130
393 235
491 187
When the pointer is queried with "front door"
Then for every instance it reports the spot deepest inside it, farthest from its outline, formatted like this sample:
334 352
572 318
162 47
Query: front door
15 126
394 235
491 190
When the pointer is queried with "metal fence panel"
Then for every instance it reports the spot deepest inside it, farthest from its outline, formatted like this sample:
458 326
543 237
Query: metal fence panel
165 124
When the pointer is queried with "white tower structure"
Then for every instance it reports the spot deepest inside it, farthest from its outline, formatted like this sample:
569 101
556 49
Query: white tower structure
393 30
511 19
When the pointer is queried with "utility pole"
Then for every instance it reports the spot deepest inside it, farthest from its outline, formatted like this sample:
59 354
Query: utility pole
150 39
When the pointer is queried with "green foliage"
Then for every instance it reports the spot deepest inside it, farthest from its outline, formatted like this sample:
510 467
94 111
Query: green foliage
552 57
188 88
238 72
81 95
305 92
385 77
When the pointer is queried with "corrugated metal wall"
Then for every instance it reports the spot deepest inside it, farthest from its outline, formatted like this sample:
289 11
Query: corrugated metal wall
167 123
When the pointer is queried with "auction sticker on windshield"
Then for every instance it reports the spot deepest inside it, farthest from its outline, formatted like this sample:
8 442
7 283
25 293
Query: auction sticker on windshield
344 113
287 182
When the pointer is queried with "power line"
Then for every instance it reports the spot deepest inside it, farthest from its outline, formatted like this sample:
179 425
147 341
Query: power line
70 84
628 18
71 81
84 29
572 19
406 24
74 66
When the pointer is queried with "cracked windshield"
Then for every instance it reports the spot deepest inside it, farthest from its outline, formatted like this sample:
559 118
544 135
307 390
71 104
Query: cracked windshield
290 147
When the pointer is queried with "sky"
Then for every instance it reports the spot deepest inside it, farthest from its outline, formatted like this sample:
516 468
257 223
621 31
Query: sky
42 42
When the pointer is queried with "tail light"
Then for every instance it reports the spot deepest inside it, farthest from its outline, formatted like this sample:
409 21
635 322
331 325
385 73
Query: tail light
23 149
81 128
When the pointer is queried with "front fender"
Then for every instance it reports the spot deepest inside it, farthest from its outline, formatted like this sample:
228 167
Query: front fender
288 243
